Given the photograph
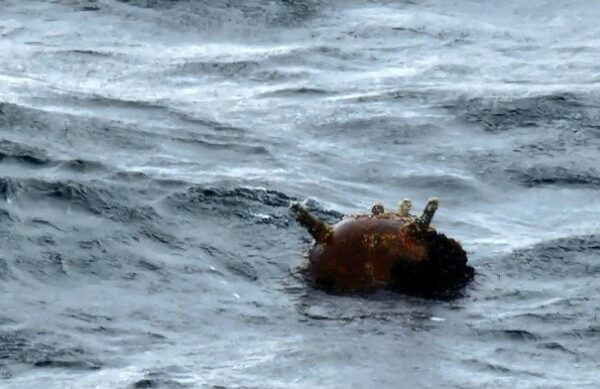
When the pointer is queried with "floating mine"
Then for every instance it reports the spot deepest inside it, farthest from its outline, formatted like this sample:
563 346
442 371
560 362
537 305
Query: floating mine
397 250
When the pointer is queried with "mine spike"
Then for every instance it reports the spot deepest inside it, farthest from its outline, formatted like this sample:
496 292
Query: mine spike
405 207
377 209
319 230
425 220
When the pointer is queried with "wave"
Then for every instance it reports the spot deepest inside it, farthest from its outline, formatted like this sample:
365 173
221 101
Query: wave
297 92
445 183
18 345
551 139
180 129
555 175
244 203
234 263
159 379
152 109
93 54
232 69
529 170
206 12
33 156
255 205
82 166
95 200
223 142
5 215
22 153
537 111
571 257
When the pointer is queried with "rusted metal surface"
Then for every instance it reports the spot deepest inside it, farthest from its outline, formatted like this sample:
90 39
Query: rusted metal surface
363 253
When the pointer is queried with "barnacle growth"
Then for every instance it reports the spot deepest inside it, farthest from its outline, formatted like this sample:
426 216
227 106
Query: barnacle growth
396 250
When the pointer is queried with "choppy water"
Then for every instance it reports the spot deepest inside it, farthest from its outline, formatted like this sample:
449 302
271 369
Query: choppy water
149 150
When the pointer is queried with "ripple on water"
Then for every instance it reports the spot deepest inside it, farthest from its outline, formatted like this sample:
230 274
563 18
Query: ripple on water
18 345
537 112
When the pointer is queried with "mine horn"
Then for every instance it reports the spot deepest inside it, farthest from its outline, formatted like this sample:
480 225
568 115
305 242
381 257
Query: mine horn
425 220
319 230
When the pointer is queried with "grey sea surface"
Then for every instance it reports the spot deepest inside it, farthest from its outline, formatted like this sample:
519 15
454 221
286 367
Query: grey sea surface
149 150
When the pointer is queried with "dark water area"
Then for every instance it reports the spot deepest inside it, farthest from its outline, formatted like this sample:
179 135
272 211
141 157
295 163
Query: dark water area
149 150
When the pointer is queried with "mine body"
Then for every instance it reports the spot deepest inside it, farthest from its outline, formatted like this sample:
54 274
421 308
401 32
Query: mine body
396 250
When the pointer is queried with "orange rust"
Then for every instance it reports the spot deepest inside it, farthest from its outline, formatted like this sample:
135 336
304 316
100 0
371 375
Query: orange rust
365 252
362 251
